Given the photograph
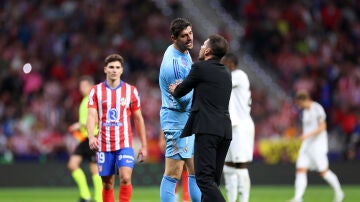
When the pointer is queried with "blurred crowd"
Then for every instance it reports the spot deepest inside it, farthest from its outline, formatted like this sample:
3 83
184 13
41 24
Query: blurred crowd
62 40
312 45
307 44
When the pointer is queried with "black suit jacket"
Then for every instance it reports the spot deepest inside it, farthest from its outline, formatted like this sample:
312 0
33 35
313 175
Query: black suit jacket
212 86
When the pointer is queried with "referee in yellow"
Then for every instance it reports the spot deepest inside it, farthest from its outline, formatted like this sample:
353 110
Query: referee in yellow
82 151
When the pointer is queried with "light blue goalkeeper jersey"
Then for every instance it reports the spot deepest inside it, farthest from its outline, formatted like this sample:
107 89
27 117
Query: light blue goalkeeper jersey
175 66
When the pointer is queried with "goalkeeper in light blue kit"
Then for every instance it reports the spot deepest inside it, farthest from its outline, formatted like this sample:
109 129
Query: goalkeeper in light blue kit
175 66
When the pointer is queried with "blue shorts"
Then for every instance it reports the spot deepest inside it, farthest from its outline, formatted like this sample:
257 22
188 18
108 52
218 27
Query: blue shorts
178 148
110 162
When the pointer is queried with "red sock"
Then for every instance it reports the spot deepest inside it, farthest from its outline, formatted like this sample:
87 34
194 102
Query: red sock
186 196
108 195
125 193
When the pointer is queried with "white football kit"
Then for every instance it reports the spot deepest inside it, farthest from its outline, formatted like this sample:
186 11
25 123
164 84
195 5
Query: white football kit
243 129
237 180
313 151
313 154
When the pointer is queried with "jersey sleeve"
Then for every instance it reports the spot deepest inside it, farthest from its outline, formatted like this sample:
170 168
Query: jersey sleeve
236 80
170 75
171 72
93 102
135 99
321 113
240 79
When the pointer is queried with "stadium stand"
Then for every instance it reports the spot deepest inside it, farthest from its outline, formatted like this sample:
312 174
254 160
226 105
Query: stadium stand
301 44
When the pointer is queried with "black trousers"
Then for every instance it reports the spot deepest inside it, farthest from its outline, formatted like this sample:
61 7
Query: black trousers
209 157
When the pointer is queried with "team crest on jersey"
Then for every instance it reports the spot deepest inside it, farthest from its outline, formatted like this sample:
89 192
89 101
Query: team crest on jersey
184 61
123 101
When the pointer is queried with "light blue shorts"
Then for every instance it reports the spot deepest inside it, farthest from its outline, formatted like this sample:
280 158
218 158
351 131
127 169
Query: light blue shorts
110 162
178 148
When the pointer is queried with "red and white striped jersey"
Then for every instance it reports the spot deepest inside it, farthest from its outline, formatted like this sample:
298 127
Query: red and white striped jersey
114 107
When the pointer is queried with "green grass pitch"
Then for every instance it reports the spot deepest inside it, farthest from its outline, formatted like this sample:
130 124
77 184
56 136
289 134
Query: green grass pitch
279 193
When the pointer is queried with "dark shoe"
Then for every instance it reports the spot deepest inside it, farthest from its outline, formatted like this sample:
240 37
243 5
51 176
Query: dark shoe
84 200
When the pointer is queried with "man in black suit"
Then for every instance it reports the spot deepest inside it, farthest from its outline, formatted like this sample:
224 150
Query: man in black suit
209 118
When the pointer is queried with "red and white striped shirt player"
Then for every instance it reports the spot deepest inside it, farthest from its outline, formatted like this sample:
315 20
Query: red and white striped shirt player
114 108
112 105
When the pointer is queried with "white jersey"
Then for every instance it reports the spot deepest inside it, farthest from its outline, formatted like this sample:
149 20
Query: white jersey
240 100
311 119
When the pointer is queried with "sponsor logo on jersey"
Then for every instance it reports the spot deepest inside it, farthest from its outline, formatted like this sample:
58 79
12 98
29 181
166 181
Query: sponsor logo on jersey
124 156
113 118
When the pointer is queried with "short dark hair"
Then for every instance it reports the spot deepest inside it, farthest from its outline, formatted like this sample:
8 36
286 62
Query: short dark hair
178 25
218 45
232 57
114 57
302 95
88 79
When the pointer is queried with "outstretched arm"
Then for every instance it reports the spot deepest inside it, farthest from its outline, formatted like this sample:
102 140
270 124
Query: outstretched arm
162 141
90 126
181 89
140 130
317 131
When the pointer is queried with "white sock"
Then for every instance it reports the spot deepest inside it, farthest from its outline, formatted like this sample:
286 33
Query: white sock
176 197
333 181
300 185
231 183
244 184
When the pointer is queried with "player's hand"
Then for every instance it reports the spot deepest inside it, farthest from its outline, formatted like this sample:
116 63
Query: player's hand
305 136
74 127
162 141
142 155
162 144
172 88
93 143
174 85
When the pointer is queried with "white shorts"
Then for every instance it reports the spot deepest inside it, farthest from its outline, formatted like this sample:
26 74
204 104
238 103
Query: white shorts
315 161
241 148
